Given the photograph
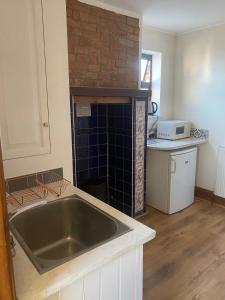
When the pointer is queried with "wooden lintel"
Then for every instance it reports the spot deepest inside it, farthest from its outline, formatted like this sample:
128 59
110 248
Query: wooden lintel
101 100
108 92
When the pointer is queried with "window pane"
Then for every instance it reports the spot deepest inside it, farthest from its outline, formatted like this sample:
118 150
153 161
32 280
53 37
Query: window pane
143 68
147 76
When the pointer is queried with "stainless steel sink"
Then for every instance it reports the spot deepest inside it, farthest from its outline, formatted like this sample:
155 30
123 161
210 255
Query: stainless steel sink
56 232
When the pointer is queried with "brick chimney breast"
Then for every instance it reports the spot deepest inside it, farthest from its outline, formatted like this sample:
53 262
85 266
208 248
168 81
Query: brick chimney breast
103 47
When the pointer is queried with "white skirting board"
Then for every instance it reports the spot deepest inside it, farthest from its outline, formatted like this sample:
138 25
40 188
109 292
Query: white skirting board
220 173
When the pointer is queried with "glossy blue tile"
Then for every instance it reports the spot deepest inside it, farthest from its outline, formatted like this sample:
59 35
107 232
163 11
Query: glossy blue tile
103 149
102 139
118 122
83 123
128 188
112 151
111 181
102 160
82 140
82 164
93 151
82 152
128 165
93 122
103 171
127 176
119 152
127 110
127 123
119 185
119 174
101 121
93 162
119 196
119 140
102 109
128 141
94 109
112 161
119 163
111 139
127 199
93 139
112 170
127 209
83 175
93 172
118 110
127 153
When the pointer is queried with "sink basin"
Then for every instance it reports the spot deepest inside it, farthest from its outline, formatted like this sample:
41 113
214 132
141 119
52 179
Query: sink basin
56 232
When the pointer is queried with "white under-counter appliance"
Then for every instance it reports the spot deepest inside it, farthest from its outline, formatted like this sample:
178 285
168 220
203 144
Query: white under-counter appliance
171 179
173 129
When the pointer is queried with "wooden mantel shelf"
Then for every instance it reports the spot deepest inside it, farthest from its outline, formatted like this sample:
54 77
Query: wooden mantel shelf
108 92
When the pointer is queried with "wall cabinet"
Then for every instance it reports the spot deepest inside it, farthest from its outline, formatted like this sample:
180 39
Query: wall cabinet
23 83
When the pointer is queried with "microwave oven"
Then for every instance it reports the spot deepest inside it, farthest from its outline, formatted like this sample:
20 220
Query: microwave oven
173 129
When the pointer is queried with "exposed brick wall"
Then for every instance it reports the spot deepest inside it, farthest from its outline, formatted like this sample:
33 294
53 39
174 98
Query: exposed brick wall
103 47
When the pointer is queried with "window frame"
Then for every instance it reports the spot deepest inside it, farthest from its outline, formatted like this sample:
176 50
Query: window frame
147 85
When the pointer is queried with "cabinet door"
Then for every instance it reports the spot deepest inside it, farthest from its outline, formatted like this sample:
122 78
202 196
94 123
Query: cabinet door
182 185
23 83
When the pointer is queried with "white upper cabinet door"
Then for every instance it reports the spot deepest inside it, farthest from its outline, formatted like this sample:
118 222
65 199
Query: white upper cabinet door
23 84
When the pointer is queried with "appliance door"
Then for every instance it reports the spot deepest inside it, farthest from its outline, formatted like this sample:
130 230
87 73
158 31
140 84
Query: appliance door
182 179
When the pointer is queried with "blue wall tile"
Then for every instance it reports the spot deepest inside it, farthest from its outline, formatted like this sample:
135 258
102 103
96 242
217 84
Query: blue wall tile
103 146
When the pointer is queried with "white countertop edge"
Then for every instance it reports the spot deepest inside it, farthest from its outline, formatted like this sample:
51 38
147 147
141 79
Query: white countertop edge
167 145
31 285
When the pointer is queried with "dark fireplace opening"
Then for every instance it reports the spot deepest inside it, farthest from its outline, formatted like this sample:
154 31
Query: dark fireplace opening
109 131
103 154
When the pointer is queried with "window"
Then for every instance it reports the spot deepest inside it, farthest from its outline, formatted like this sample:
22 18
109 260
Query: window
146 71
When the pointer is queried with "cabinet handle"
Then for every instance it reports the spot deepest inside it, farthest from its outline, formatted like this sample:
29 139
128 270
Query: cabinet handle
174 166
45 124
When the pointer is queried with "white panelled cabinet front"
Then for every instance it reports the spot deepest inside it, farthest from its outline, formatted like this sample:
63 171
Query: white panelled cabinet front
120 279
23 83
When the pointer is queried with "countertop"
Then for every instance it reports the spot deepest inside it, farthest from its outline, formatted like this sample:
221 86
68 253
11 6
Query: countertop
30 285
160 144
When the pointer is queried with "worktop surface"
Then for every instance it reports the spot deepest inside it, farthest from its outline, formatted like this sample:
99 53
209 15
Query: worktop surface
30 285
166 145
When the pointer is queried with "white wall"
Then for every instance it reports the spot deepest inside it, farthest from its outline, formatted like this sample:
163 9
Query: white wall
58 97
157 41
200 92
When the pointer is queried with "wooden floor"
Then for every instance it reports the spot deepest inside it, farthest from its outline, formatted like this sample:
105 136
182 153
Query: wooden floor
187 258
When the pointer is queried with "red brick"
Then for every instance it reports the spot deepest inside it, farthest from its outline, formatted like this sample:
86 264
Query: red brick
76 15
69 12
94 68
126 42
82 59
133 37
126 28
81 50
133 22
103 47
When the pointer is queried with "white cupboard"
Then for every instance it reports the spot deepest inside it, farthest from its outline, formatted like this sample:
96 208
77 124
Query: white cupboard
24 120
171 179
121 279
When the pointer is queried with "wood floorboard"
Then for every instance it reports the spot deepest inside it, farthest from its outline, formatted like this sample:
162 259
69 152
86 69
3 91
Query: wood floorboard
186 260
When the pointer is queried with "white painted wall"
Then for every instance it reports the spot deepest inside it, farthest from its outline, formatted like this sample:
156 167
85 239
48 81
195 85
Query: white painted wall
58 98
200 92
157 41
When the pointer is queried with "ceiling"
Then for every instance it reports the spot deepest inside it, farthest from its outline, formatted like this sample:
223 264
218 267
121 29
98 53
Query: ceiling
175 15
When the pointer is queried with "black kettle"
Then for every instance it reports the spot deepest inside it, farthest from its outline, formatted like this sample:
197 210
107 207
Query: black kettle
153 108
